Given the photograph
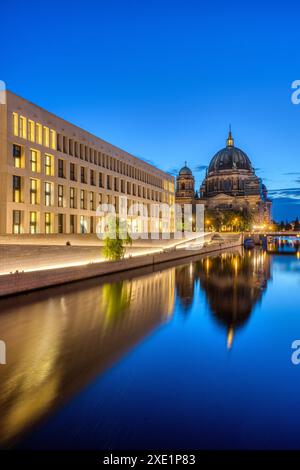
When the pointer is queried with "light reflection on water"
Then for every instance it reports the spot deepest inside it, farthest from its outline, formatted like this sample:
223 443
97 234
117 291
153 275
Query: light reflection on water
61 340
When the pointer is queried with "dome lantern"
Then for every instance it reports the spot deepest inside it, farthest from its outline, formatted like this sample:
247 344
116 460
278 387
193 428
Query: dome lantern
230 141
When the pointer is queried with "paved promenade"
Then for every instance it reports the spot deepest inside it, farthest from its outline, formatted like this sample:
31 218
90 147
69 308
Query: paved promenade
65 268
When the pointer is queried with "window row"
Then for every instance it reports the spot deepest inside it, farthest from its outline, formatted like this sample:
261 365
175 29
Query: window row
66 197
81 174
43 135
84 152
33 131
35 223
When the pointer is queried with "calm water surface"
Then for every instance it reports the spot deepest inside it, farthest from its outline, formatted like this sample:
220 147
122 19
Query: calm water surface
193 356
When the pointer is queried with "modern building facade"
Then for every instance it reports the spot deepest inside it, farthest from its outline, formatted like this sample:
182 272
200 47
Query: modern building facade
230 184
54 175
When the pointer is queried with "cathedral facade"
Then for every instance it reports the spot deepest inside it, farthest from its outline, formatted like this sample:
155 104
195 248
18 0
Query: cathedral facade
230 185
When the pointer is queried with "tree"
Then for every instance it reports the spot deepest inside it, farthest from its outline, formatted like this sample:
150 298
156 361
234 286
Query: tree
297 225
114 242
231 220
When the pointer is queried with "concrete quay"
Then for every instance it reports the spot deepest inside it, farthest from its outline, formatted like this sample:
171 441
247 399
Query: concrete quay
17 282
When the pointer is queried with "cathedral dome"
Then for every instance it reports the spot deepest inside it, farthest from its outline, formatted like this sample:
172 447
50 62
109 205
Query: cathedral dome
230 158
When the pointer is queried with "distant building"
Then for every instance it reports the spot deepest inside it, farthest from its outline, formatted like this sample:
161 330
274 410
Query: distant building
230 184
53 175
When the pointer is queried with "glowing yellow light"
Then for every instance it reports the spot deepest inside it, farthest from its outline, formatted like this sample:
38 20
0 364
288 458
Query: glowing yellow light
230 335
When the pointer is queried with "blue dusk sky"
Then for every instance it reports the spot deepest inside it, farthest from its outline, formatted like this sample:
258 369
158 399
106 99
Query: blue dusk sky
163 79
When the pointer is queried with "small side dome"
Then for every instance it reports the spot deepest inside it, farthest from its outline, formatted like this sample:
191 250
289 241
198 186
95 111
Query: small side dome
185 170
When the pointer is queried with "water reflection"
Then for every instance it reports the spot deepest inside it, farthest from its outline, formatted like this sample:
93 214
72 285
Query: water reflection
233 285
284 244
58 344
60 339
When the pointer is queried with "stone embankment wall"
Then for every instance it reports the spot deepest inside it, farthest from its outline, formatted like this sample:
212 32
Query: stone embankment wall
17 282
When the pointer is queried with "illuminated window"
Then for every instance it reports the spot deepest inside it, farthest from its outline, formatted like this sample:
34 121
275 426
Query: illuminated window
33 191
82 199
23 127
16 222
48 165
46 136
34 160
15 124
39 134
16 188
92 199
60 190
17 154
31 130
52 139
83 224
32 222
48 225
47 193
72 198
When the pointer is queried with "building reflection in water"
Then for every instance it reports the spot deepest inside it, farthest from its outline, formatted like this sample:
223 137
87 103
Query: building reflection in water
185 286
57 344
233 284
58 340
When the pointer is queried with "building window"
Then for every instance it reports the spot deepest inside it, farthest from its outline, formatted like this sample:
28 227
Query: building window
48 165
39 134
100 180
16 222
82 199
60 223
31 130
72 172
33 191
82 174
15 124
92 177
46 136
16 188
65 144
71 147
61 172
23 127
72 198
52 139
72 223
47 193
83 224
32 222
60 190
34 161
17 154
92 199
48 225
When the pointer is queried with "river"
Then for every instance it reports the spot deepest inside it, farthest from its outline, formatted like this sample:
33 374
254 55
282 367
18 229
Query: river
193 355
